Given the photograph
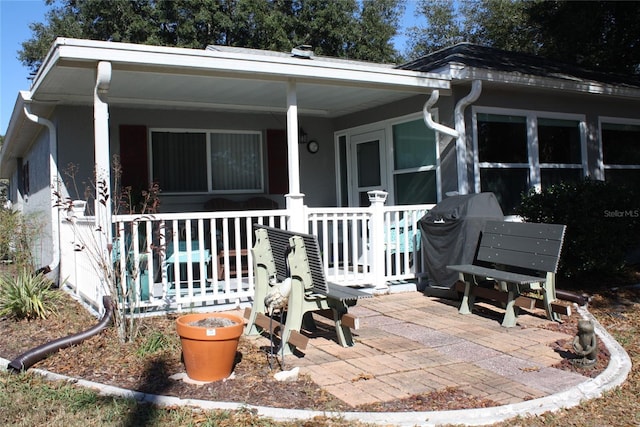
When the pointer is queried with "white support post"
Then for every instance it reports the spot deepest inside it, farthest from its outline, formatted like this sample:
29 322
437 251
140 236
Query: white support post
295 199
377 199
102 154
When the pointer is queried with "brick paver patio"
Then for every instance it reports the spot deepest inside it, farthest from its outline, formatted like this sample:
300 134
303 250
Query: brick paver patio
409 343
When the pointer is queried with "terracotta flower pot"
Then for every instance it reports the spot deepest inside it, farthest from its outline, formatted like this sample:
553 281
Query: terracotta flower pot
208 349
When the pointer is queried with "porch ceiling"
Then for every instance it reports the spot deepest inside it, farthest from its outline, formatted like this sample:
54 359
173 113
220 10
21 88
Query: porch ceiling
211 80
68 85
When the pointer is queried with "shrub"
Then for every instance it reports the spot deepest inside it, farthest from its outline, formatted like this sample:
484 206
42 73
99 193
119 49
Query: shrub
17 235
602 219
27 296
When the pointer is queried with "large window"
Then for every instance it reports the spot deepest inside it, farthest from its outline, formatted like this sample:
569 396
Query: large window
620 150
414 161
517 151
207 161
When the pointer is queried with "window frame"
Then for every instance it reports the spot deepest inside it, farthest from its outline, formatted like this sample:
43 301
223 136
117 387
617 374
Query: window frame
601 166
533 154
208 142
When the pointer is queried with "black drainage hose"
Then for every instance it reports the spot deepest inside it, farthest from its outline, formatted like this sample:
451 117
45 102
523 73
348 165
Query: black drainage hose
573 297
33 356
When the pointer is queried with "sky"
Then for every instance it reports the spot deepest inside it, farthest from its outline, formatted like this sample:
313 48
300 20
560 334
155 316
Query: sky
15 17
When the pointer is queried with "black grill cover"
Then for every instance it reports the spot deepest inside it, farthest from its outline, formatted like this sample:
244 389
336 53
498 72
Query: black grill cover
450 233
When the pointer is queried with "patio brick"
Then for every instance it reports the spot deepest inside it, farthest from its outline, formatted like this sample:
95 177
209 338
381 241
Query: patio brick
412 344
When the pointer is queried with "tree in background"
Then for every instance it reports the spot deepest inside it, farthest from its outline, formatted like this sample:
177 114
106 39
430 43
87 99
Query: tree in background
378 25
598 34
341 28
602 35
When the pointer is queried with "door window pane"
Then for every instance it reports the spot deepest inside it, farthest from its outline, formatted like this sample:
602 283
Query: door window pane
559 141
368 154
502 139
416 188
507 184
414 145
179 161
236 162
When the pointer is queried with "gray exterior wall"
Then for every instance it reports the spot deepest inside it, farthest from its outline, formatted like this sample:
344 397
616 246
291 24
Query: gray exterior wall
76 146
36 205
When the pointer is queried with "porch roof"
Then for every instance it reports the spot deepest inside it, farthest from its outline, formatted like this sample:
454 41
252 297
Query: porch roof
217 78
222 79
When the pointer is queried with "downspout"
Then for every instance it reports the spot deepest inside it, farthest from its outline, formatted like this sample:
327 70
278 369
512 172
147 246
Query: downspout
459 132
54 181
33 356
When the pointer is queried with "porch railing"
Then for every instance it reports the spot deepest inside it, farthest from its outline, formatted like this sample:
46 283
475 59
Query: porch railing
78 269
195 260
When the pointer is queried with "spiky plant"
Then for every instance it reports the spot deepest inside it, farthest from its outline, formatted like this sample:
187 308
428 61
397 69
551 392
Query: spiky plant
27 296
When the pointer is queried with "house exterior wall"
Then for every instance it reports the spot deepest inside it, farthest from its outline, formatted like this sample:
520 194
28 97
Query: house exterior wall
13 194
75 146
35 204
372 115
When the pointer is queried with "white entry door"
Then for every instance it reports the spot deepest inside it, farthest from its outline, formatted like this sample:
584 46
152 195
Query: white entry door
368 165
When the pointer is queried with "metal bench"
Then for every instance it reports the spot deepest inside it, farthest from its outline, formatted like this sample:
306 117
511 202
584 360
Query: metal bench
517 257
310 292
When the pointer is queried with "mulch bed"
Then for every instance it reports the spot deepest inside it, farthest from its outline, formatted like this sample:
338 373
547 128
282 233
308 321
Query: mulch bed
104 359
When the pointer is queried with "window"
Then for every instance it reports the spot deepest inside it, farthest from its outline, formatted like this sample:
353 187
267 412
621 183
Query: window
620 150
520 151
207 162
414 163
560 153
25 179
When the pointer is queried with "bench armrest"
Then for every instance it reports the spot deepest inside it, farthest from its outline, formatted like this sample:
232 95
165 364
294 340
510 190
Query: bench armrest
345 293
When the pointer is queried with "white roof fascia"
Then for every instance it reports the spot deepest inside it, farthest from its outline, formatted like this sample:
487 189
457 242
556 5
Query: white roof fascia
240 65
17 121
462 72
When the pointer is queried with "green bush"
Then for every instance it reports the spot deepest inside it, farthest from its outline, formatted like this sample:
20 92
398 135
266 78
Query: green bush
602 219
27 296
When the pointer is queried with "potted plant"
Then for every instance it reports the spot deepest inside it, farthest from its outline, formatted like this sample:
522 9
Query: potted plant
209 344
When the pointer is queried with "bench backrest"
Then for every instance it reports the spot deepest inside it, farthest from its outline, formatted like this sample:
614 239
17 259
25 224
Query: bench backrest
281 240
530 246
